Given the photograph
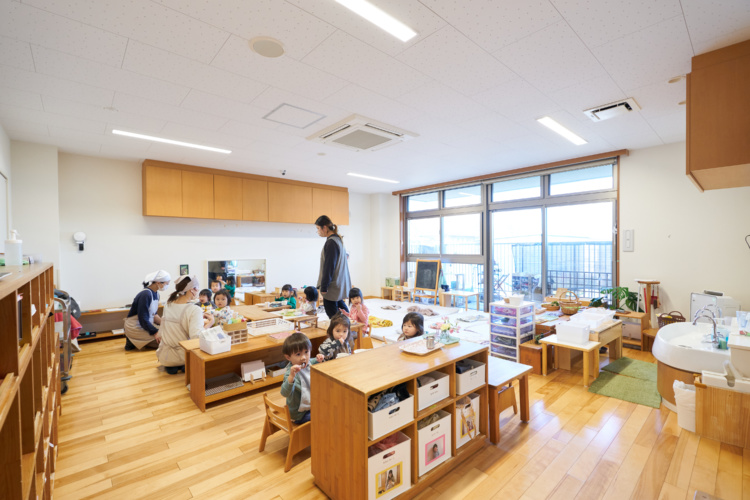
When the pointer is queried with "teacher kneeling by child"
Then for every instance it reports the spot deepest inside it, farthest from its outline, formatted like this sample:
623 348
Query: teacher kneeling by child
333 281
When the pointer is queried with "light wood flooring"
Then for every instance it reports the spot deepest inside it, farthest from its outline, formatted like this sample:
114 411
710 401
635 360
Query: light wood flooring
130 431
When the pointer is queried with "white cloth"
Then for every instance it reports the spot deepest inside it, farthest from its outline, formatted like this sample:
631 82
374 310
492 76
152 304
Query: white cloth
137 335
194 283
179 322
160 276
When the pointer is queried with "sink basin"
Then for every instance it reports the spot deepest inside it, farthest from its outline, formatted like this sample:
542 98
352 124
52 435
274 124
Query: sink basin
680 345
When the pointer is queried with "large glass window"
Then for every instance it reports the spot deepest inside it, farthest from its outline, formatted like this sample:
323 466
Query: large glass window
462 234
462 197
424 235
517 189
419 202
581 180
517 253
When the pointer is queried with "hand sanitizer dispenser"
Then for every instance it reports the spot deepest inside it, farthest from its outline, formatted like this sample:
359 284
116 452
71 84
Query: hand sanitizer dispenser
13 252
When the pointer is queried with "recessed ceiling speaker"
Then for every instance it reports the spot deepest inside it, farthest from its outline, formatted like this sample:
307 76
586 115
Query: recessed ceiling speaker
267 46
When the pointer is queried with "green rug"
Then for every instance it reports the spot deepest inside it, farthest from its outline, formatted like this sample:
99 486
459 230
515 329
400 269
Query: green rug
633 368
642 392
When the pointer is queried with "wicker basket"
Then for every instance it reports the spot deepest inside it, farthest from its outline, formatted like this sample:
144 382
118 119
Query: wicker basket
568 306
665 319
549 307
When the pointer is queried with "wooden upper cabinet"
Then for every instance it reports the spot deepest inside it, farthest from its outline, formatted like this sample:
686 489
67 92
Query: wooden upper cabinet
162 191
340 207
197 195
289 203
228 197
322 204
718 118
254 200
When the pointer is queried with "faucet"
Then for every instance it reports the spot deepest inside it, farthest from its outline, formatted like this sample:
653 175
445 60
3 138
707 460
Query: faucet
714 337
707 309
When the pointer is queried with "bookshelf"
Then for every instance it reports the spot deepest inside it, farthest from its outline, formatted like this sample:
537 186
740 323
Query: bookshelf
29 383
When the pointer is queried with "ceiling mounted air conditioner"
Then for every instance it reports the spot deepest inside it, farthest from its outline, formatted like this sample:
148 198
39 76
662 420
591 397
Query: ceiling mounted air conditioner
358 133
612 110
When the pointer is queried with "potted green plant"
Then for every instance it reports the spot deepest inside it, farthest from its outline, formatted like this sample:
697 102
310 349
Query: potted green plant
620 293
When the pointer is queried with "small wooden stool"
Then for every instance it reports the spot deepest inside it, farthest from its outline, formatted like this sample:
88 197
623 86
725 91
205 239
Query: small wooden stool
278 419
502 395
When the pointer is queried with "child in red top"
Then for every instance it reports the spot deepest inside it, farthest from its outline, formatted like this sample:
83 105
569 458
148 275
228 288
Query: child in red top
358 311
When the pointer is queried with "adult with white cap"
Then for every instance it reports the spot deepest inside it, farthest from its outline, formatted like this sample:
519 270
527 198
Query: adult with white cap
182 320
142 321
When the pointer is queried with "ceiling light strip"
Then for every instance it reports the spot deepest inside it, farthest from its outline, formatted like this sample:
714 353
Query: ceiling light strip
372 178
380 19
170 141
556 127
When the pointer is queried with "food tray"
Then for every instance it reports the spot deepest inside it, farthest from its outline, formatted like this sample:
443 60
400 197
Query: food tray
420 347
266 326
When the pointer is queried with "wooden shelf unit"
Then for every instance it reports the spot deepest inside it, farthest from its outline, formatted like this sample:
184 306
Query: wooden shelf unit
30 383
340 390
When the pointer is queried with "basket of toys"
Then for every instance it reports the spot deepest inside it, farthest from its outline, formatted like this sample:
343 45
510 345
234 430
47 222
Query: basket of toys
665 319
569 306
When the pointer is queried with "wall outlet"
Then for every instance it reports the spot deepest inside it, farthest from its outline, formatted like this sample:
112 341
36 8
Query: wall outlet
627 241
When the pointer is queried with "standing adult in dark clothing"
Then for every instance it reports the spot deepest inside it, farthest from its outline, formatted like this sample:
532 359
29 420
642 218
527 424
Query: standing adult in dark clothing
334 282
142 320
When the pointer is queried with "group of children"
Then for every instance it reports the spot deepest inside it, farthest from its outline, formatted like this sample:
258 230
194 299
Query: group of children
216 300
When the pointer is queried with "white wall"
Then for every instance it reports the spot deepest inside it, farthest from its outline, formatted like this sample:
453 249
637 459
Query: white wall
688 240
102 197
34 199
385 237
4 153
5 205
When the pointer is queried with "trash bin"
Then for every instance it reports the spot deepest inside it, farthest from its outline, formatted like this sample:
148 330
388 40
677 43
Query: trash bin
684 396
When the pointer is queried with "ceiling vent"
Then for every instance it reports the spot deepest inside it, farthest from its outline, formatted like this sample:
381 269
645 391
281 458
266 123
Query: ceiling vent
358 133
612 110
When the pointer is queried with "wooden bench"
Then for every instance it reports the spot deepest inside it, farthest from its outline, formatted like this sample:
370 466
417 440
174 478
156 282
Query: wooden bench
500 373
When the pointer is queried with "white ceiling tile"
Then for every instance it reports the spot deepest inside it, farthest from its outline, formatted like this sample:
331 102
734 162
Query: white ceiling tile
55 87
445 131
22 98
272 97
219 139
494 24
586 95
350 59
410 12
721 41
494 126
659 99
648 56
29 24
601 21
613 130
227 108
710 19
551 59
252 134
454 60
442 102
355 99
518 100
157 63
145 21
144 107
282 72
74 141
124 152
51 118
120 119
16 54
293 116
81 70
672 127
12 126
298 31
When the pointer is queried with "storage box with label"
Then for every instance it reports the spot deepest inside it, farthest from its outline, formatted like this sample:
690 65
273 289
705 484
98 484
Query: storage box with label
434 443
433 391
392 417
215 341
467 419
470 378
389 471
253 370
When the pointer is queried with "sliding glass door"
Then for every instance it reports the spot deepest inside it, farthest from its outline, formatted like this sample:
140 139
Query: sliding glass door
517 253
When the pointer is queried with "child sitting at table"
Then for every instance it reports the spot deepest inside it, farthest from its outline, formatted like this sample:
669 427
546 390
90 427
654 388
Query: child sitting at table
229 286
358 311
296 385
412 326
339 334
204 300
310 302
215 286
222 313
289 294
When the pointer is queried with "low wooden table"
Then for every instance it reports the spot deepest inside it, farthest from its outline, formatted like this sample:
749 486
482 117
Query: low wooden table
587 349
499 373
253 313
458 293
300 320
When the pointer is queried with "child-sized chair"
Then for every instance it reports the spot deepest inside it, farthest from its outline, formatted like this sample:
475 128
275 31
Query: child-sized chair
278 419
403 293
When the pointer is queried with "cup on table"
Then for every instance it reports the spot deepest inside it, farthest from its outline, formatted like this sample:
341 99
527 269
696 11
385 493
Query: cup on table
430 340
743 318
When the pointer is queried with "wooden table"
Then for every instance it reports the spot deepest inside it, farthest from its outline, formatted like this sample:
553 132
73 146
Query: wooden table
452 295
386 292
253 313
587 349
200 366
499 373
300 320
258 297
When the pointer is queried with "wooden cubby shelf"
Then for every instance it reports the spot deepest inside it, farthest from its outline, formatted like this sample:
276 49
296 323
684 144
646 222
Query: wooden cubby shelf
30 388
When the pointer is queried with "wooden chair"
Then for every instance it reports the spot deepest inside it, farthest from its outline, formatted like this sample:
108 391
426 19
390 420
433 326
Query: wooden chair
403 293
278 419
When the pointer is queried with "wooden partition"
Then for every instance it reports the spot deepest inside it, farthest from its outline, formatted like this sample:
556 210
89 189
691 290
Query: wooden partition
29 383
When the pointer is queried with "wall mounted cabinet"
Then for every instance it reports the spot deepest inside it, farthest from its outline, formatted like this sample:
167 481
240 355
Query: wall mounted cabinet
176 190
718 118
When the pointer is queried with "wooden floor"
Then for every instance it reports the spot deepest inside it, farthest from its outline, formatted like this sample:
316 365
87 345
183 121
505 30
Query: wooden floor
130 431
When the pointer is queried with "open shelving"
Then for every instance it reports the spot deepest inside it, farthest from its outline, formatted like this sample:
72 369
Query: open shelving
30 383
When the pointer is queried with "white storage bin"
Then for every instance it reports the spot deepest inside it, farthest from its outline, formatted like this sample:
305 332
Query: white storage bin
384 421
389 472
467 420
434 443
216 346
432 392
471 379
574 333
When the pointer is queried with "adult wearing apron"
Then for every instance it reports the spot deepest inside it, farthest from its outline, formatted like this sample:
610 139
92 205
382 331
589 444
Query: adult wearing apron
334 282
182 320
142 320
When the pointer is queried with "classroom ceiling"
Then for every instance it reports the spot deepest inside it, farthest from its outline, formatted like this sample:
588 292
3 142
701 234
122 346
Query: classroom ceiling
471 83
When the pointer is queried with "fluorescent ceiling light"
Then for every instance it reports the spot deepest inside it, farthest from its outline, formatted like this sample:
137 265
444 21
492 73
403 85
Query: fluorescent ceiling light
556 127
372 178
170 141
380 19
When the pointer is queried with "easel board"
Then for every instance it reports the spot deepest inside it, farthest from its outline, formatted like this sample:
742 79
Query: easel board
427 278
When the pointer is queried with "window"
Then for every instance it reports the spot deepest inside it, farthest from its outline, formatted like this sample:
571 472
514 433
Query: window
581 180
418 202
462 234
424 235
517 189
517 253
462 197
